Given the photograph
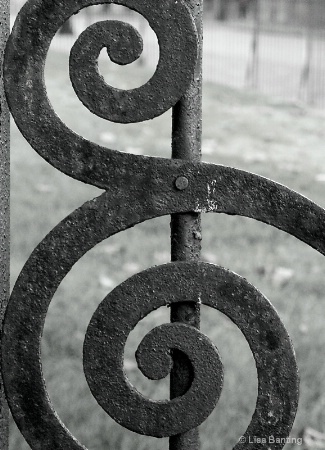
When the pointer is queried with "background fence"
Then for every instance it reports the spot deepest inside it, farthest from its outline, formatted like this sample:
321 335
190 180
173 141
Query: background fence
273 46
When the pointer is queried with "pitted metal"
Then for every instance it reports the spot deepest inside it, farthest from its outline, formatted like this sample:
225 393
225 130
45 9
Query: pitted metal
106 335
124 45
139 188
213 286
4 213
24 63
78 233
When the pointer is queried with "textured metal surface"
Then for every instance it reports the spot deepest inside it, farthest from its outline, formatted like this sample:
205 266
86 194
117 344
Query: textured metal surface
124 45
96 220
116 316
213 286
34 29
4 210
138 188
186 228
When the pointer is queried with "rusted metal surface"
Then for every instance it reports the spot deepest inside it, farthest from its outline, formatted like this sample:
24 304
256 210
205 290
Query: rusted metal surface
36 25
213 286
96 220
4 211
186 228
124 45
116 316
139 188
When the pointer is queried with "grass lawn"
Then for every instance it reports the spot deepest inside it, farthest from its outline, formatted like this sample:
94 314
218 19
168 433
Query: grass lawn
285 142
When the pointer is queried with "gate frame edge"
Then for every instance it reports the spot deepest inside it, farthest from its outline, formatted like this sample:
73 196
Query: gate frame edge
4 211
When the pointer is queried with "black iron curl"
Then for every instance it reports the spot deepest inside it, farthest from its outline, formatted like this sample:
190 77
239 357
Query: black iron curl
213 286
115 211
106 335
24 62
124 45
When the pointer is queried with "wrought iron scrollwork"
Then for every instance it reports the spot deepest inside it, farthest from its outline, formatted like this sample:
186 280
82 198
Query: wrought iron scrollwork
27 48
138 188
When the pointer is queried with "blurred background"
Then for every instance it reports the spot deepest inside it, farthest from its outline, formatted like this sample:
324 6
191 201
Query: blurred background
273 46
263 111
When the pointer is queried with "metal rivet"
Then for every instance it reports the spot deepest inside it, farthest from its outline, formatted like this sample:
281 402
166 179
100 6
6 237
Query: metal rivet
181 183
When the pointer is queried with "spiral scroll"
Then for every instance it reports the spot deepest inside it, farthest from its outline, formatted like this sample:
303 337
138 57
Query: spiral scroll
139 188
27 47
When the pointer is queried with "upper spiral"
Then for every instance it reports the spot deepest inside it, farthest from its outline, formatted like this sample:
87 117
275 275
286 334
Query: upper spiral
24 61
124 45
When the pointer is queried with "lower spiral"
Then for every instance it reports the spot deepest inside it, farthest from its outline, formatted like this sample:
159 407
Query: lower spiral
211 285
216 287
107 334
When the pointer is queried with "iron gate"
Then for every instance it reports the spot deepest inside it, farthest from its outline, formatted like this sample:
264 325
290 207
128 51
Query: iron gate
138 188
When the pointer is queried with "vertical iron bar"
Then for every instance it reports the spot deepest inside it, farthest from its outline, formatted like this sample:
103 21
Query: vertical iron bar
186 228
4 211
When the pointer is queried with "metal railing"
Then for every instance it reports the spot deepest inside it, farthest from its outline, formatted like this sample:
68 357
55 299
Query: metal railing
138 188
